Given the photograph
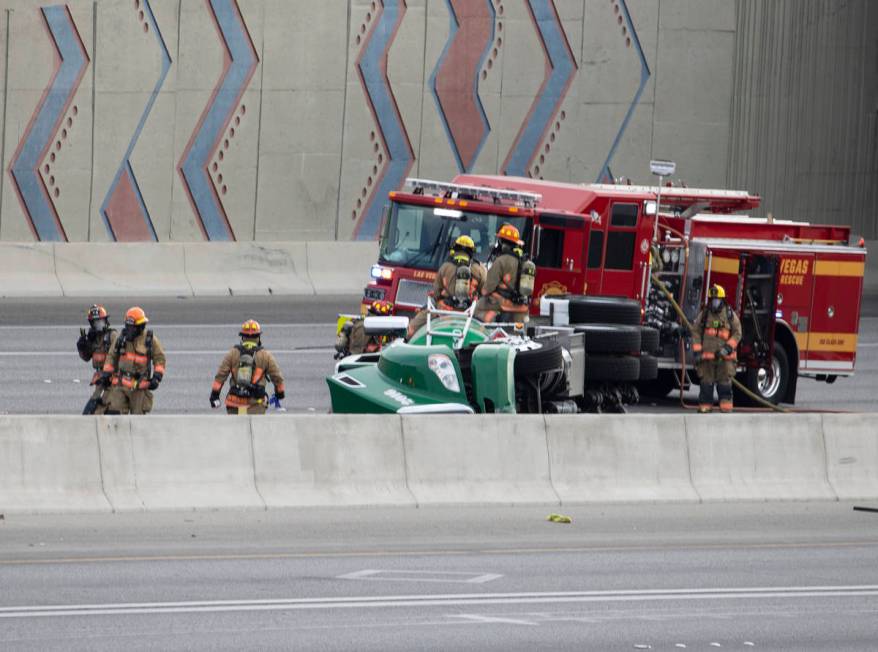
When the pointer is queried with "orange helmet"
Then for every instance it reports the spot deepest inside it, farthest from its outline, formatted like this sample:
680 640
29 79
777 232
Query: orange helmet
250 328
510 234
135 317
382 308
97 311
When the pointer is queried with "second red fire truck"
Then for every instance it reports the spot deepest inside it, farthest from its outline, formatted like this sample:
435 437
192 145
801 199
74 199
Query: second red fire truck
796 286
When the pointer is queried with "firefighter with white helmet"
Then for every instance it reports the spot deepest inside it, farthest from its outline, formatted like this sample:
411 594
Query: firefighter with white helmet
716 333
248 367
510 283
458 281
134 367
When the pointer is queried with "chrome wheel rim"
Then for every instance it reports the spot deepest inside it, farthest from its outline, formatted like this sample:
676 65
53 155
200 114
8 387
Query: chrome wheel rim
769 382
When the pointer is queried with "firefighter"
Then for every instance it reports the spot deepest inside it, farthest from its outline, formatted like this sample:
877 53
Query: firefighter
93 346
134 368
715 336
352 338
509 286
248 367
458 282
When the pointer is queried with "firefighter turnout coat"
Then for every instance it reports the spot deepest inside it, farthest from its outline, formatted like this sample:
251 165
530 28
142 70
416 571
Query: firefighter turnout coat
248 395
499 289
711 332
131 365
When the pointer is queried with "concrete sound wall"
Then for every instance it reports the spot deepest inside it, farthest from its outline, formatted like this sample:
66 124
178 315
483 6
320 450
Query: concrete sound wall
280 120
76 464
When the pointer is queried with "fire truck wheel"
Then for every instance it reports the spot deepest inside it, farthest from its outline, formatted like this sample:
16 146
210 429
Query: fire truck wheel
772 384
531 362
623 368
649 340
604 310
610 338
648 367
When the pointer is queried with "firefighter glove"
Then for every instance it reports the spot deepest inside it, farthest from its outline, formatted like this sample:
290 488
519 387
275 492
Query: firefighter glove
82 347
281 395
726 351
155 380
215 399
104 380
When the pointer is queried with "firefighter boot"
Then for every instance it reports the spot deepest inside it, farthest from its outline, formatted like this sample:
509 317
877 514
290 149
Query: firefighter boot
724 391
705 398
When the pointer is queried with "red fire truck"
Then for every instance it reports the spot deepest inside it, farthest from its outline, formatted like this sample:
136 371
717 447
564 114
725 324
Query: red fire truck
796 286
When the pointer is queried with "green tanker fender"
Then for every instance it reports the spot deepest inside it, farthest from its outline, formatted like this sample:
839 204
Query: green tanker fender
493 370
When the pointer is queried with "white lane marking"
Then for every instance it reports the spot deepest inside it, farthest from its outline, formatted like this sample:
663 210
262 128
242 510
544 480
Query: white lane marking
458 577
439 600
68 353
493 619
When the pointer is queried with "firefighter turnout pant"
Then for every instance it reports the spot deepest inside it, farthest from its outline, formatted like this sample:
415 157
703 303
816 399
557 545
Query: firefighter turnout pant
717 372
123 400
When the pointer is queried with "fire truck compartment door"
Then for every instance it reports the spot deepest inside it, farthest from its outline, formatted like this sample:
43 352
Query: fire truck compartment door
624 252
560 268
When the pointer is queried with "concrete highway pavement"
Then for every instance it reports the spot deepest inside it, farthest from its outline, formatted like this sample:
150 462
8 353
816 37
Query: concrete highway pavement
797 576
40 372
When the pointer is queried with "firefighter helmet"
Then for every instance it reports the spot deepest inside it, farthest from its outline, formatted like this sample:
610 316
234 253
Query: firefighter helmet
97 311
250 328
465 242
510 234
382 308
135 317
716 292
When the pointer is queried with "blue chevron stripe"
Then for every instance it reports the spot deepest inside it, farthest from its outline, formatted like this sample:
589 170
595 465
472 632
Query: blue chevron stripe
217 115
37 139
399 153
126 160
605 174
546 105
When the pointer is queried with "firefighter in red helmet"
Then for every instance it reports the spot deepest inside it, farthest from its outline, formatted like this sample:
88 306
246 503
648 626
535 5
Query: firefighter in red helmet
248 367
352 338
93 346
134 367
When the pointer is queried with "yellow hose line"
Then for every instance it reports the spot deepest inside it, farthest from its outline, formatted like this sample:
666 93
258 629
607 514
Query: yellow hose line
664 288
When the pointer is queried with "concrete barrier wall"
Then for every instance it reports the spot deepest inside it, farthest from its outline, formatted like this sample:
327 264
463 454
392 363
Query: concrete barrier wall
75 464
184 269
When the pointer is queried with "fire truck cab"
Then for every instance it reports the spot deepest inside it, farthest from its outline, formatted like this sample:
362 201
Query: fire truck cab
796 286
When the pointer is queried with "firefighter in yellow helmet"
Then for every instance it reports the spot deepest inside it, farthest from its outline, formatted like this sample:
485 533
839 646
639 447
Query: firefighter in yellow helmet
93 346
458 281
249 367
509 286
716 333
134 367
352 338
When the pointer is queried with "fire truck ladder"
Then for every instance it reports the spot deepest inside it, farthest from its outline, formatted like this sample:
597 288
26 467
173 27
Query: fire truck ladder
477 193
718 201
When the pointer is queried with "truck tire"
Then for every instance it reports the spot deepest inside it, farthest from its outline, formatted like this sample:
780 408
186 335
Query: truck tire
618 368
604 310
771 386
610 338
649 340
648 367
533 362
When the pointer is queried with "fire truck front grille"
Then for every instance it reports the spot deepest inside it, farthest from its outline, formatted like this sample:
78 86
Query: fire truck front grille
412 293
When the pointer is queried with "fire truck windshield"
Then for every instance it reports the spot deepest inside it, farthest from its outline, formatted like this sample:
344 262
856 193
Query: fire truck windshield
421 236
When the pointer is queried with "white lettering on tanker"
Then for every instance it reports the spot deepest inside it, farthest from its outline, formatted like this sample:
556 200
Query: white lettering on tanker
399 397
